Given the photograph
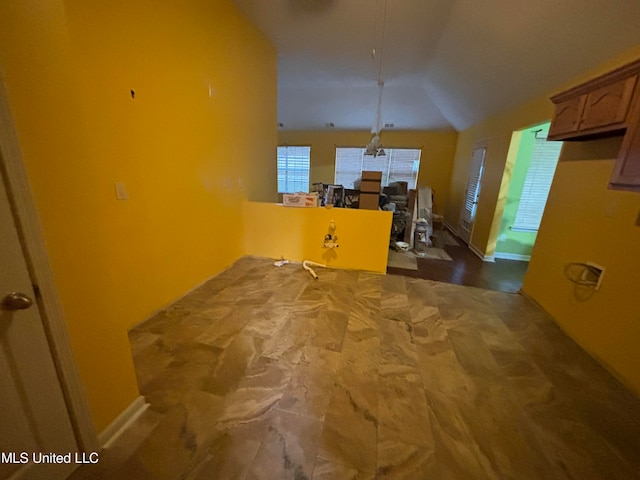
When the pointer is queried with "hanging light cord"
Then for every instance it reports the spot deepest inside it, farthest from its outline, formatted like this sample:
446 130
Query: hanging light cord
384 31
378 122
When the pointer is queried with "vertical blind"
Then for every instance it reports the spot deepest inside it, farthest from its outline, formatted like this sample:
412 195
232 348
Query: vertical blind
293 169
398 165
537 184
473 184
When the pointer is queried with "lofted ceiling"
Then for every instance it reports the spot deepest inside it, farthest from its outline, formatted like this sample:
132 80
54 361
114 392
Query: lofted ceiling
444 63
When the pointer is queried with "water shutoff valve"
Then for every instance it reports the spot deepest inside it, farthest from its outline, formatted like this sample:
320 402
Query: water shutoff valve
331 239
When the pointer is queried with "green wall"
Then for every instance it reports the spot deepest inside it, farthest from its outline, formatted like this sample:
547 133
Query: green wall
513 242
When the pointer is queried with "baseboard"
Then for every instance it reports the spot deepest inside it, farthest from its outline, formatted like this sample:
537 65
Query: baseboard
450 227
479 253
513 256
122 422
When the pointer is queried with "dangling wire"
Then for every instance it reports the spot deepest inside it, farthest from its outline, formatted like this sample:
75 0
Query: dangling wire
384 32
377 126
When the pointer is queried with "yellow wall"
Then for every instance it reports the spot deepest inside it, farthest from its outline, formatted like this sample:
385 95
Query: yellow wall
584 221
297 234
438 150
197 140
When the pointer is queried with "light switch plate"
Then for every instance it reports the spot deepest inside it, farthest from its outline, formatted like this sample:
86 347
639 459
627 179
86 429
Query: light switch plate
121 191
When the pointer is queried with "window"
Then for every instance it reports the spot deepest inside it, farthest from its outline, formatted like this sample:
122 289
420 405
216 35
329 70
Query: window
398 165
537 184
293 169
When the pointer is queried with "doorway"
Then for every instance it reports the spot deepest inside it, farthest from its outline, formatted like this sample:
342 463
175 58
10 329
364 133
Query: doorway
33 411
42 403
529 172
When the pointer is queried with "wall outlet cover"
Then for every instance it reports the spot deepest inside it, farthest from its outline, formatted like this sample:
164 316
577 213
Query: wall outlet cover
121 191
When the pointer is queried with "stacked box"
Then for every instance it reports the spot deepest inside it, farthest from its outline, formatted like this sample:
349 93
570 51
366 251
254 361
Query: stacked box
371 175
370 190
369 201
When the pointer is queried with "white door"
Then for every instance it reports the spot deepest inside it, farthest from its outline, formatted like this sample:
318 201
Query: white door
33 413
468 212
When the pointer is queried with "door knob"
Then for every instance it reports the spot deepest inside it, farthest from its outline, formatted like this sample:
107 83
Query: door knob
16 301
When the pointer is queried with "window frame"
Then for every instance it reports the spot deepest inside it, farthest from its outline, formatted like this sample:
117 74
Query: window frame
296 175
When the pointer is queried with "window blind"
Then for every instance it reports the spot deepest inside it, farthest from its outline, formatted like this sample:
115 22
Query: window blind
398 165
537 184
293 169
473 183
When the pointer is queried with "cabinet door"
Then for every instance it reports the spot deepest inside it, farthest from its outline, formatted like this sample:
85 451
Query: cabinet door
607 106
566 118
626 174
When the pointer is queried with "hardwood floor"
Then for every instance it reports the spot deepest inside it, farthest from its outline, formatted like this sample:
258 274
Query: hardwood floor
468 269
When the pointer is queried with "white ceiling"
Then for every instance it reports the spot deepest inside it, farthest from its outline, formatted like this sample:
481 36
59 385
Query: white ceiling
444 63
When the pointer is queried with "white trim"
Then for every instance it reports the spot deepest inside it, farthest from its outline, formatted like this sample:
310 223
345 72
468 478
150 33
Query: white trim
42 275
122 422
513 256
479 253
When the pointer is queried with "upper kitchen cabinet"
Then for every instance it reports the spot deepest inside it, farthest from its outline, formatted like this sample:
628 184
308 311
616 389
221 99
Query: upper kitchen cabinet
604 106
596 108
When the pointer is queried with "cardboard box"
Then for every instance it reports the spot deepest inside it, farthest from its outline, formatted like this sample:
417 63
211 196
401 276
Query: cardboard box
369 201
371 175
300 199
370 186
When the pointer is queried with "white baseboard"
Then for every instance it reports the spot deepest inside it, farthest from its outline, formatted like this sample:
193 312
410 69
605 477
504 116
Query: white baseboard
122 422
483 257
513 256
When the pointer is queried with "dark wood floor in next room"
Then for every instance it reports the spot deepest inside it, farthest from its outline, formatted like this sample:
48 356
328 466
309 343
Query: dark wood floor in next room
468 269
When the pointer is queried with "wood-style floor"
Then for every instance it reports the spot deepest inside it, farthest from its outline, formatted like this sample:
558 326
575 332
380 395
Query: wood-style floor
266 374
468 269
